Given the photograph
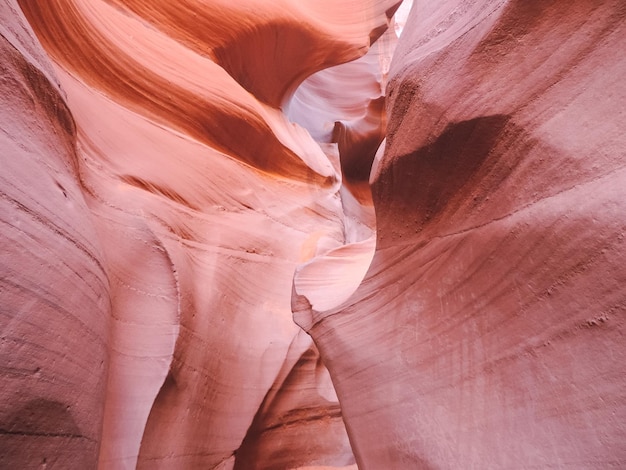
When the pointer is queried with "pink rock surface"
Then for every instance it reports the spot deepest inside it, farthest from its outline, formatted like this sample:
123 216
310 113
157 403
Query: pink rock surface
489 329
54 307
200 199
182 180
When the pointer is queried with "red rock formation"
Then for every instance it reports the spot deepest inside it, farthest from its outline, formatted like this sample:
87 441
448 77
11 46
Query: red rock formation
54 291
162 214
193 199
489 329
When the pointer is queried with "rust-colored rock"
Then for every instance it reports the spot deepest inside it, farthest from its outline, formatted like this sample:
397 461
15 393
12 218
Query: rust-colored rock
154 219
182 180
489 329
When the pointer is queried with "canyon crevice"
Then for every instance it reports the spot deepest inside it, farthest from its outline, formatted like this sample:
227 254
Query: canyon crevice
273 235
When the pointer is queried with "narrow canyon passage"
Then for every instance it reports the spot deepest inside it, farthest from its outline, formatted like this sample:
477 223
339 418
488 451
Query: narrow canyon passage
271 235
201 198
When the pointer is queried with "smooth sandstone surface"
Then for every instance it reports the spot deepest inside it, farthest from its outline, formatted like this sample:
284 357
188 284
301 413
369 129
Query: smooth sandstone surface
185 194
489 329
158 202
54 308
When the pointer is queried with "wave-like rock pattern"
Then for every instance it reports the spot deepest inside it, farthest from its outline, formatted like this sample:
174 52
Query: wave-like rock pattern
154 221
163 214
489 329
54 308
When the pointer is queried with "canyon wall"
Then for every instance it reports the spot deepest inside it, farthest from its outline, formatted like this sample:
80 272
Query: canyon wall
55 312
157 203
182 180
489 329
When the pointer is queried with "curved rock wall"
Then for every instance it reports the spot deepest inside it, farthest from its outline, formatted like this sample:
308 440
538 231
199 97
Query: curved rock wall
54 307
154 220
163 215
489 329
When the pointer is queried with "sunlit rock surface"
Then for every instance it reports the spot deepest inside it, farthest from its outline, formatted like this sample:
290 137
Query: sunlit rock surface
489 329
157 204
182 180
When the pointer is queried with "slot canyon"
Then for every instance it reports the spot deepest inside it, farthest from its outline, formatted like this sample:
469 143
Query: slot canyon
312 234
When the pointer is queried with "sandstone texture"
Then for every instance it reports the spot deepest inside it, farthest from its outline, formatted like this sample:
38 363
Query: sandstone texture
489 329
55 313
156 204
269 234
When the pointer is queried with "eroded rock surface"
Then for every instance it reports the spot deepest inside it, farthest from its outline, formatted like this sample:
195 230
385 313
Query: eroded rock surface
54 307
157 202
178 177
489 329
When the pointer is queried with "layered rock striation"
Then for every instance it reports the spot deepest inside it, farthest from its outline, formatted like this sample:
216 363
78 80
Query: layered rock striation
182 180
158 202
488 331
55 311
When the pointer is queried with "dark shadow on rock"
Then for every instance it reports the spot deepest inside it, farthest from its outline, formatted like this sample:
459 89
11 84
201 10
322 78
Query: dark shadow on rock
419 187
41 417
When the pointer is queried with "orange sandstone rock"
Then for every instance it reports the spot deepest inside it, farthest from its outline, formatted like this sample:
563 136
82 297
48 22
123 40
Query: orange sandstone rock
158 215
179 177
